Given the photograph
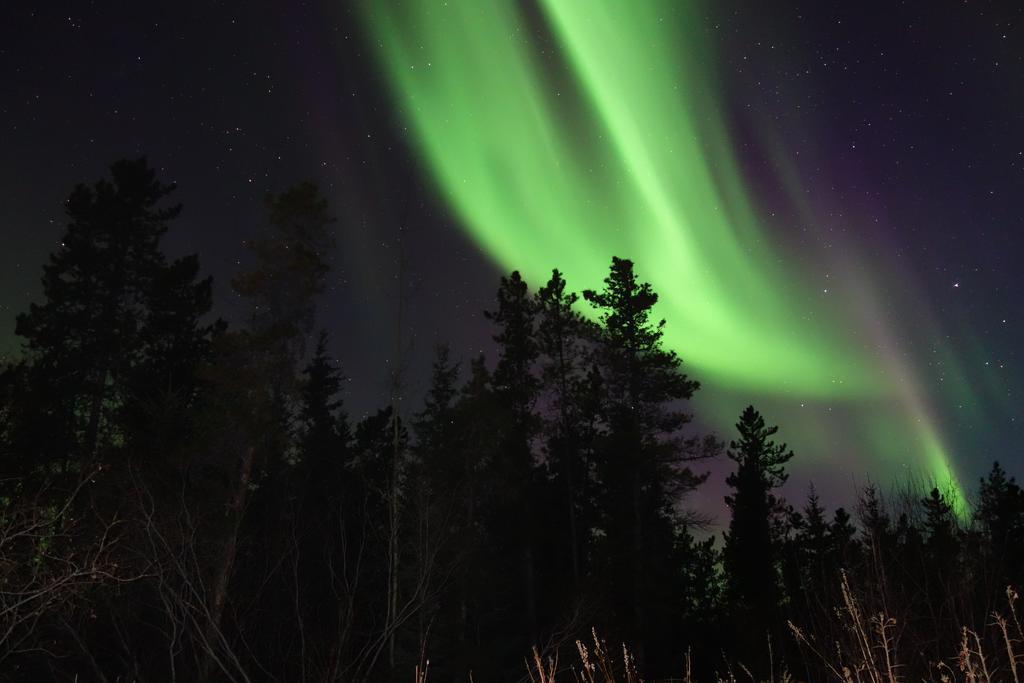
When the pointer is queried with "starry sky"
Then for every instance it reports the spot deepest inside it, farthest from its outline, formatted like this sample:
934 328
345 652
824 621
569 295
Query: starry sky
827 197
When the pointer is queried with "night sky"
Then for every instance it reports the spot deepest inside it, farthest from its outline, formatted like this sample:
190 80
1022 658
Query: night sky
827 198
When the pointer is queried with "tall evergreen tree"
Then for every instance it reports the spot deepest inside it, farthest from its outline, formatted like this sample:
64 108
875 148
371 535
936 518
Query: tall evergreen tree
560 334
877 534
514 465
843 544
434 424
941 556
117 317
323 424
514 379
321 513
290 271
437 480
1001 516
381 477
483 643
806 567
815 533
164 386
281 287
644 463
751 552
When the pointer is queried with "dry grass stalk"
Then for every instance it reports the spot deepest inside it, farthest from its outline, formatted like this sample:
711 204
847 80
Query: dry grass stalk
871 653
597 665
873 657
1010 642
972 660
544 670
421 672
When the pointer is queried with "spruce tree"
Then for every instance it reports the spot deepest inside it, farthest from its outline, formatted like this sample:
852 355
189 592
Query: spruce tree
433 425
290 271
941 553
752 546
814 535
843 544
117 319
644 462
806 569
323 424
437 465
560 333
281 288
516 387
514 377
435 523
323 503
877 534
1001 515
481 644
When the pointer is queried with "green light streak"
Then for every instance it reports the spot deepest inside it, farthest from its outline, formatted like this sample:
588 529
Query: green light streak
612 143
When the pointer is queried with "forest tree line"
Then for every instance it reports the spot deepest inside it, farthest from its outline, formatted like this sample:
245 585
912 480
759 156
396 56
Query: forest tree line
181 499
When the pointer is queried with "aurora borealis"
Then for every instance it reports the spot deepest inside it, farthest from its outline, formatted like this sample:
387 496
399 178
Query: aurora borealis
826 198
585 129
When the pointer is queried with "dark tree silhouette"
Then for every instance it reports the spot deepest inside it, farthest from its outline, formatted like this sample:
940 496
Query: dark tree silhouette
291 264
644 460
752 544
560 334
117 319
1001 517
483 644
514 468
438 478
322 596
183 502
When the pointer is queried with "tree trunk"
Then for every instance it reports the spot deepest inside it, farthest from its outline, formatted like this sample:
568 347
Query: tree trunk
530 585
639 610
92 428
223 576
570 495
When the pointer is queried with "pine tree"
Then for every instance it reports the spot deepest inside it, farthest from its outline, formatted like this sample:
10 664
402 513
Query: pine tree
702 604
165 386
433 425
281 287
435 474
941 544
751 552
321 512
1001 515
560 332
805 557
514 378
118 321
481 644
644 463
939 527
324 427
516 387
843 543
814 536
437 465
876 527
290 271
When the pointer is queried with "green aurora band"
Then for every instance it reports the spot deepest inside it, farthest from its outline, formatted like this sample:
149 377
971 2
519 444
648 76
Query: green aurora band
566 132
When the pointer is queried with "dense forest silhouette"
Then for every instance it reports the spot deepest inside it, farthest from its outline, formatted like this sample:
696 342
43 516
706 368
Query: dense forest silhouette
183 499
